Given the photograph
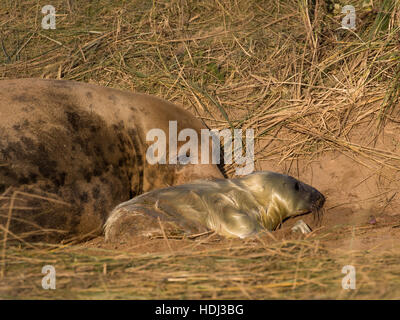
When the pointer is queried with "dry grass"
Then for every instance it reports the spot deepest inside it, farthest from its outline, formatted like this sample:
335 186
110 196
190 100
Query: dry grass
295 269
259 269
283 68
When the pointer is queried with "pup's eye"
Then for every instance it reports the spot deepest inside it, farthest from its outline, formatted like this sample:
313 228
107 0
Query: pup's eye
297 186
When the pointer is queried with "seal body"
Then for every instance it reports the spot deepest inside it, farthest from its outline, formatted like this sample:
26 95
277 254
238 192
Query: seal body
70 152
238 207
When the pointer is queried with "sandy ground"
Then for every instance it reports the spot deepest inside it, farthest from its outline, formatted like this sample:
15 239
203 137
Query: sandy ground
360 196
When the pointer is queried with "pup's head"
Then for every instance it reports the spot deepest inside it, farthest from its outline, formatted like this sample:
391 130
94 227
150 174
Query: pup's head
294 196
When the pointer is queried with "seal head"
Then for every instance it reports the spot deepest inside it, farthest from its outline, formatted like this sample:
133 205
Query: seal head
282 196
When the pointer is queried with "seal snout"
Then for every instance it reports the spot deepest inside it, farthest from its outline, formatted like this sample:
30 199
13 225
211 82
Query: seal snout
310 201
318 199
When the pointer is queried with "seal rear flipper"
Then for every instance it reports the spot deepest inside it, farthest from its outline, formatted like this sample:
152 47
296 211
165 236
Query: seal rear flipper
130 222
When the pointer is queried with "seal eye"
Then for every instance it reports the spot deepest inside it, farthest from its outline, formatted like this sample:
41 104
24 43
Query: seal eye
297 186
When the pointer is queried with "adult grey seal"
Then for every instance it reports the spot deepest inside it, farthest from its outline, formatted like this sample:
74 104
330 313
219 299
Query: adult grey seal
239 207
70 152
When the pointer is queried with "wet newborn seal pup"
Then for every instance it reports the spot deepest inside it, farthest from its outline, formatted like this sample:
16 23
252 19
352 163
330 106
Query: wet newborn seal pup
238 207
70 152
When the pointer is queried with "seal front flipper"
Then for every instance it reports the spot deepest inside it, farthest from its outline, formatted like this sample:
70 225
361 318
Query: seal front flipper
234 223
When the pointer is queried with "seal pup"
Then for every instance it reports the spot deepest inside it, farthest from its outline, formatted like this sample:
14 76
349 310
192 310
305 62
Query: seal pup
239 207
70 152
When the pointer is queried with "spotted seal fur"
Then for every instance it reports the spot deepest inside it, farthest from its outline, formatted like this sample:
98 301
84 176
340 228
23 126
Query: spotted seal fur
70 152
